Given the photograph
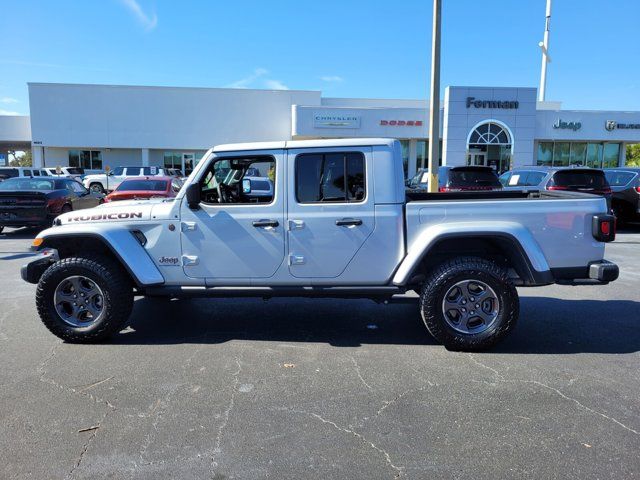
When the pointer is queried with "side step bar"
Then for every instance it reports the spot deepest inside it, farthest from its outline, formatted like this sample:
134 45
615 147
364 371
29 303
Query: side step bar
374 293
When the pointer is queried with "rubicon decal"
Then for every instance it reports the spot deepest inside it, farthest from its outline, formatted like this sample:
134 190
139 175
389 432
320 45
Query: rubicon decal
170 261
106 216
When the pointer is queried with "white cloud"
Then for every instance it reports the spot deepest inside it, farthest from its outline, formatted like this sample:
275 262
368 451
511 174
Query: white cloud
9 100
247 81
257 79
332 78
148 20
8 112
275 85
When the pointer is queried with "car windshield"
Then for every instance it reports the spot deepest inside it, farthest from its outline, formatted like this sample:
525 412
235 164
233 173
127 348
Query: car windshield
75 171
580 178
148 185
468 177
26 184
618 179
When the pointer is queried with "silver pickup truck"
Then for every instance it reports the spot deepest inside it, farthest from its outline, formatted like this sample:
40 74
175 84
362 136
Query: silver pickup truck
338 223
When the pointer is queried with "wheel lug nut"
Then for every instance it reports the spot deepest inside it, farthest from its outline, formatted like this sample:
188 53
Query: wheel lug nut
477 306
472 299
472 312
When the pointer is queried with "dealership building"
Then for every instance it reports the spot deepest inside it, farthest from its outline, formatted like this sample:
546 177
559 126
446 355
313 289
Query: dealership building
95 126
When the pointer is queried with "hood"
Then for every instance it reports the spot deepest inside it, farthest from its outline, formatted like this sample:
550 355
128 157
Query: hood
133 211
133 194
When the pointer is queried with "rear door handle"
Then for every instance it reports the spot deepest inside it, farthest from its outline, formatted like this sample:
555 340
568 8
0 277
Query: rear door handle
265 223
348 222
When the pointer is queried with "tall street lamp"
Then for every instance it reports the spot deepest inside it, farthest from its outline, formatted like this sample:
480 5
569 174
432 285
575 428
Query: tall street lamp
434 100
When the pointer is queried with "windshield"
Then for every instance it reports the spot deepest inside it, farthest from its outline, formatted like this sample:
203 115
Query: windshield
149 185
580 178
469 177
26 184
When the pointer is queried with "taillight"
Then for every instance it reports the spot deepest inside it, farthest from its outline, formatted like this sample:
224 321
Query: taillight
446 189
638 189
603 227
557 187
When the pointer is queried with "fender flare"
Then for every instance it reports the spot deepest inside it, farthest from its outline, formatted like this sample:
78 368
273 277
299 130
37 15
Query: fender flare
534 265
121 243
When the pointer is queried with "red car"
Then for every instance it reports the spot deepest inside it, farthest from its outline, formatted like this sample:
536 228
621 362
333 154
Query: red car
142 188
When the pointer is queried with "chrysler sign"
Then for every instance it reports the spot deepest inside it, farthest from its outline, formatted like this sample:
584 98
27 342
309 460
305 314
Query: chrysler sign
327 120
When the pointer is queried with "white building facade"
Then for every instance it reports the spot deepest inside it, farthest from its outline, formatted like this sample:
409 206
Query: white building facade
95 126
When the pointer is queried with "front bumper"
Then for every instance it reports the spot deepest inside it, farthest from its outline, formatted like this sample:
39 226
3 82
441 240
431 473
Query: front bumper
32 271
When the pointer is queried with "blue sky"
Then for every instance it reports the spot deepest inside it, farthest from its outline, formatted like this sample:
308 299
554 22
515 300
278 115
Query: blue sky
346 48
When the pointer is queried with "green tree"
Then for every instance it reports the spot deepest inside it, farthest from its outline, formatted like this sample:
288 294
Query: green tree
21 161
633 155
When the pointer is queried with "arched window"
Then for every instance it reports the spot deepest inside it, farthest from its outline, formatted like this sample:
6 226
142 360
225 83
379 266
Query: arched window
489 133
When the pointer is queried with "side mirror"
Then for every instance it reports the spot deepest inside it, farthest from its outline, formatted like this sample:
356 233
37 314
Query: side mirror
193 196
246 186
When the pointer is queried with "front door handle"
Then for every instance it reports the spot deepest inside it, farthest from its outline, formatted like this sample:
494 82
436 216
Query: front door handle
348 222
265 223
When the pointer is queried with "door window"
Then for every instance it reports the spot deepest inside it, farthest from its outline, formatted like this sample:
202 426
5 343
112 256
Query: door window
239 181
118 171
330 177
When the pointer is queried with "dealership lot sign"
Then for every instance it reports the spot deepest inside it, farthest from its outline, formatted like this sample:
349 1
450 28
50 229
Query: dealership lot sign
505 104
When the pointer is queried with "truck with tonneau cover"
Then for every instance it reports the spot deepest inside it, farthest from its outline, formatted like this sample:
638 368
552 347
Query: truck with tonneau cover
338 223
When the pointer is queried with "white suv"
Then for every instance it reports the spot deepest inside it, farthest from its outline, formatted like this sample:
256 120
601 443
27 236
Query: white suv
10 172
102 182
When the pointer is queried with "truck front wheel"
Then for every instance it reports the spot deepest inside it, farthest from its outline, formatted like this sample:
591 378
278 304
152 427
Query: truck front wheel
469 304
84 299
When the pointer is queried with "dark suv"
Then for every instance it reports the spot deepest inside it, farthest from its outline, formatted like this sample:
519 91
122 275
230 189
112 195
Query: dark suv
625 184
458 179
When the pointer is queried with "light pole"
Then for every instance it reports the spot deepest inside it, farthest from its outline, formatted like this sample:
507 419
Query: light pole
434 100
544 46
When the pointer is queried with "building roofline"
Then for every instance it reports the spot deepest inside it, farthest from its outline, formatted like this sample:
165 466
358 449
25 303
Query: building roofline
55 84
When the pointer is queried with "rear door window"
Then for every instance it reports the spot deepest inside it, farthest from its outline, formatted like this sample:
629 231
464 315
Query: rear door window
9 172
534 178
618 178
330 177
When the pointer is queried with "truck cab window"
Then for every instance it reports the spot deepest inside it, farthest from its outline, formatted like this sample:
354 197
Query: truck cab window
330 177
239 181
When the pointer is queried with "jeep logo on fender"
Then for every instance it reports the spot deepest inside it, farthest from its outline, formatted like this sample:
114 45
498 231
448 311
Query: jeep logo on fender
106 216
168 260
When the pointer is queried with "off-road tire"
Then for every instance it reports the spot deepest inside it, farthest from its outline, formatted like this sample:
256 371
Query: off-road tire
447 274
114 282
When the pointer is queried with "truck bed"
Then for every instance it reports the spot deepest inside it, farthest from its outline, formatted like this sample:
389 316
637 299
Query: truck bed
558 223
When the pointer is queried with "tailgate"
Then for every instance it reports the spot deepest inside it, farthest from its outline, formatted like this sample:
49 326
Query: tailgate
22 206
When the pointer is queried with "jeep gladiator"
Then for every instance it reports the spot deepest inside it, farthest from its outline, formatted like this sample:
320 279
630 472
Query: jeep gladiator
338 223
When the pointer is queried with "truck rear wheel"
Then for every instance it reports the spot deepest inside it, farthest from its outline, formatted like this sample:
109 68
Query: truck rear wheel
469 304
84 299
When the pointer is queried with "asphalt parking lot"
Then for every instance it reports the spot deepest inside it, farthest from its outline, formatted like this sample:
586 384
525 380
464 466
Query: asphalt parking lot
323 389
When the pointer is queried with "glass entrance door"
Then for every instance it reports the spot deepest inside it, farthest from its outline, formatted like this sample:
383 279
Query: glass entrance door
478 159
187 163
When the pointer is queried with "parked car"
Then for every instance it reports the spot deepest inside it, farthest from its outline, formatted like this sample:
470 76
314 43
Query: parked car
625 185
458 179
340 224
144 188
33 202
12 172
100 183
69 172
